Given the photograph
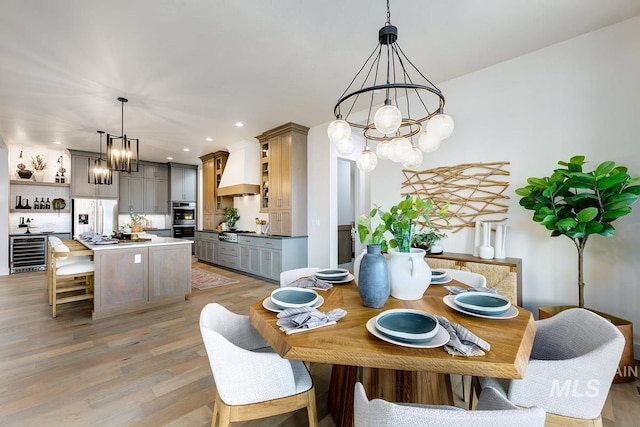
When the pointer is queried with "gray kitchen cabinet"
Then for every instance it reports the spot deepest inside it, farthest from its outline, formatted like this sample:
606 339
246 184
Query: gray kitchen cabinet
163 232
228 255
155 172
80 186
250 259
205 245
155 200
184 183
131 194
267 257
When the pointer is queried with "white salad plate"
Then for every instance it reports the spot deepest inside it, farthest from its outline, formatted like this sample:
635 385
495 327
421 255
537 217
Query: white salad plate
447 279
441 338
269 305
512 312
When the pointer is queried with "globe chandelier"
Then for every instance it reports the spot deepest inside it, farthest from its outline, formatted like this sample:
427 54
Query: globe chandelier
413 107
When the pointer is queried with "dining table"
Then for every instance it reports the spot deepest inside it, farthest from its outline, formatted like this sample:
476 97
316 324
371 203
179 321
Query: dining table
393 371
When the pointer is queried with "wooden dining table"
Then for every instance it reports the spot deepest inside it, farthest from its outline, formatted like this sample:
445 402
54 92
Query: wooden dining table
394 372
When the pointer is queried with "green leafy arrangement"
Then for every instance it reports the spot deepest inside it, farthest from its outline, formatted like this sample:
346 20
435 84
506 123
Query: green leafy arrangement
400 221
427 239
231 216
575 203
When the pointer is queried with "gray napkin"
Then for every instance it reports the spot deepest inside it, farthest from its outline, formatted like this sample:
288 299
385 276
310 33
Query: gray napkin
310 282
455 290
462 342
307 318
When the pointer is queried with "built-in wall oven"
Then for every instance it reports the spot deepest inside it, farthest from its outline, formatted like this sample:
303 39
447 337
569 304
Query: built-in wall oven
184 219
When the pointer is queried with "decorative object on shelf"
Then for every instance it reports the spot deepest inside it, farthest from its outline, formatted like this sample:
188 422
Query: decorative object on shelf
486 251
428 240
99 173
477 240
231 216
501 239
261 226
575 203
60 178
411 103
58 204
475 191
39 164
122 158
136 221
23 172
373 284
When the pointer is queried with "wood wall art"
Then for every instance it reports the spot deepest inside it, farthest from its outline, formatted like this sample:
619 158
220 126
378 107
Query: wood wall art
475 191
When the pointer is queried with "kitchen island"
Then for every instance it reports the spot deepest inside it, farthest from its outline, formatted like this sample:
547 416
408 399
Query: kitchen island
137 275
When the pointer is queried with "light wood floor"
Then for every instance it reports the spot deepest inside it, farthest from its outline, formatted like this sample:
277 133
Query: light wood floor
144 369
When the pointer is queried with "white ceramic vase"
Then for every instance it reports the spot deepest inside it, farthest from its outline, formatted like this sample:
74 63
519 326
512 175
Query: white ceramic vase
477 241
38 176
486 250
501 237
409 274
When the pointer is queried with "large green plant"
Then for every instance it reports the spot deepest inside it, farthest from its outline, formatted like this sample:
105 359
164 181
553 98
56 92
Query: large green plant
400 221
575 203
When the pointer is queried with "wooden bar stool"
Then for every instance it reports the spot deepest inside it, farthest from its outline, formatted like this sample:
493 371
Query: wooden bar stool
70 276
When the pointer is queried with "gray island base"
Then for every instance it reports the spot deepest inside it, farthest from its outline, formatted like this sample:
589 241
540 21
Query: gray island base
137 276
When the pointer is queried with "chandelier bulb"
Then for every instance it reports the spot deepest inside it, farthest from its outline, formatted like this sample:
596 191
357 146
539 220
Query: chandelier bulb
399 149
339 130
367 160
388 119
382 150
414 159
440 125
428 142
345 146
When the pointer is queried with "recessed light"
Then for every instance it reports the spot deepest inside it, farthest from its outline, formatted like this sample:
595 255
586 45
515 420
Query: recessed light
185 149
169 158
209 139
239 124
57 142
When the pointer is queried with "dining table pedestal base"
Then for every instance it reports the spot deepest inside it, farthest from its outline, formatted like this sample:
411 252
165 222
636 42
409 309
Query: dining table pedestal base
388 384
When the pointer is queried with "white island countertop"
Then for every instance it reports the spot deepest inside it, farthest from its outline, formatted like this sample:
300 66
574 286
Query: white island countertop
123 244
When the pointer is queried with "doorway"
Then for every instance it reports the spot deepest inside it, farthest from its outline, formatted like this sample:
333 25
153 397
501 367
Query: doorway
349 208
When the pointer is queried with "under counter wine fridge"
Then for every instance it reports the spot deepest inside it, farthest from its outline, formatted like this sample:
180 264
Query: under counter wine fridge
27 253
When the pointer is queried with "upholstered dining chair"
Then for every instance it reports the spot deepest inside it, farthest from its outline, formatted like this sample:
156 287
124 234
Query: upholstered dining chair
492 410
251 380
289 276
574 358
475 280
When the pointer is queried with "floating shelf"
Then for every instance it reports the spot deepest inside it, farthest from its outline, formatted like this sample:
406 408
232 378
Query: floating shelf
45 211
46 184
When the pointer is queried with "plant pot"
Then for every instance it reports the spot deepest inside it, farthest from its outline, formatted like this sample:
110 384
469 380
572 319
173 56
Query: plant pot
409 274
626 367
136 228
38 176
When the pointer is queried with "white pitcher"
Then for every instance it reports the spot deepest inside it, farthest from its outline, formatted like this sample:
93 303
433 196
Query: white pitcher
501 237
409 274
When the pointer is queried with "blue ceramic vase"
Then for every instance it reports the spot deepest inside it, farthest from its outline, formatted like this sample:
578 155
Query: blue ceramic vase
373 284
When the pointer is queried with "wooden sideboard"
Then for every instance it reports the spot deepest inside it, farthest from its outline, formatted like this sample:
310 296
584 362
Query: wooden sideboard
505 275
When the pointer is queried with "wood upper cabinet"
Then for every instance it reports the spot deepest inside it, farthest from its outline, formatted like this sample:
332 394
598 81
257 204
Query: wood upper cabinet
184 183
213 205
80 185
283 172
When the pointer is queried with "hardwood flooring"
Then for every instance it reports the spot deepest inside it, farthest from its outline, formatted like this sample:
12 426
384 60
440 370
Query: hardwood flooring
143 369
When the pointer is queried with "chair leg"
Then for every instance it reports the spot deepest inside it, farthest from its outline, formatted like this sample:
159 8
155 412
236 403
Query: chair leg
474 389
311 408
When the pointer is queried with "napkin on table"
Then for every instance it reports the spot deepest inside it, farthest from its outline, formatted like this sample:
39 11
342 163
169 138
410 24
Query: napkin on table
293 320
462 342
455 290
311 282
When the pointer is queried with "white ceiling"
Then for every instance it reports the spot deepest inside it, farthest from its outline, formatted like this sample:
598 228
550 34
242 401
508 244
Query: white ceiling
192 68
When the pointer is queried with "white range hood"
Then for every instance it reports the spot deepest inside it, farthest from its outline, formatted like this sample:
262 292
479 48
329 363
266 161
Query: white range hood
241 175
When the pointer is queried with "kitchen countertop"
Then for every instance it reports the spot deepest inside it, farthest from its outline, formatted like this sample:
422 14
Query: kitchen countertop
264 236
155 241
37 233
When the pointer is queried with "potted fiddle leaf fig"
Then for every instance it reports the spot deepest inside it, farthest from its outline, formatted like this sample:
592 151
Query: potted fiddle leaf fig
576 203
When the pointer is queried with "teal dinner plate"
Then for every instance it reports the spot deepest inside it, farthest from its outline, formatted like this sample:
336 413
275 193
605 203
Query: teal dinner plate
407 324
483 302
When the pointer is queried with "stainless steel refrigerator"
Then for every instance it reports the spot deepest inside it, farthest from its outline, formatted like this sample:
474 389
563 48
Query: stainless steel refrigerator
94 215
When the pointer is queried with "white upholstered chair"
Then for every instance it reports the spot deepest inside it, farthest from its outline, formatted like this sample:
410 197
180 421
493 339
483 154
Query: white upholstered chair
70 274
475 280
289 276
573 361
493 410
251 380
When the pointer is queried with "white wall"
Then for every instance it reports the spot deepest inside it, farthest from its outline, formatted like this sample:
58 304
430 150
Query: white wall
575 97
4 212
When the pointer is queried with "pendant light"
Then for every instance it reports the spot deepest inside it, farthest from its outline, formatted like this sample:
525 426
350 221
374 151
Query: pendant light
122 152
413 106
99 173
